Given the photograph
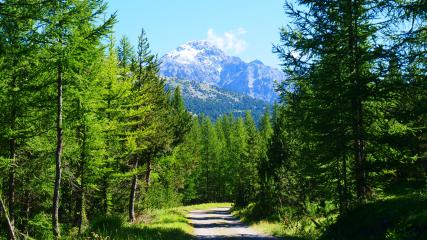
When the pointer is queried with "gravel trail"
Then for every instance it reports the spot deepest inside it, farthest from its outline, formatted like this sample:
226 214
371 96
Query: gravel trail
219 224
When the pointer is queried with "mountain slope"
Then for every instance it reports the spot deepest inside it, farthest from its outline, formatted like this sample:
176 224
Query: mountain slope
204 98
202 62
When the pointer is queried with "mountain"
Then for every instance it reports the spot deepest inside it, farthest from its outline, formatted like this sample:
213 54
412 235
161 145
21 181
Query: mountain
203 98
202 62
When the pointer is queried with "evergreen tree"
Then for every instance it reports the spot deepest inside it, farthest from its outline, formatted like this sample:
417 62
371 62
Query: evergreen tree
332 99
239 143
329 85
252 160
16 94
209 157
65 40
181 118
125 53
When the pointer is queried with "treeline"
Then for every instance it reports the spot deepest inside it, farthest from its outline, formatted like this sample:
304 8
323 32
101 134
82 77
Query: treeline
221 159
216 102
80 119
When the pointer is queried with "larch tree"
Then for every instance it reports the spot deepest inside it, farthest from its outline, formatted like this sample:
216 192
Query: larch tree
69 30
328 53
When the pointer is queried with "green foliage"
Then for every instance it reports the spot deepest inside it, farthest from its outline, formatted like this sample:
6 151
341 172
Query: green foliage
398 218
345 133
164 224
220 160
348 139
40 226
115 109
158 197
105 223
202 99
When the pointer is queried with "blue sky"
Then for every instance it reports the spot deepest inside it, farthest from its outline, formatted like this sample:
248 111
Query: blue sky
244 28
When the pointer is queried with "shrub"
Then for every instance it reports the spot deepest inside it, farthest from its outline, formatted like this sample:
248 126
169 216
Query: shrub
40 226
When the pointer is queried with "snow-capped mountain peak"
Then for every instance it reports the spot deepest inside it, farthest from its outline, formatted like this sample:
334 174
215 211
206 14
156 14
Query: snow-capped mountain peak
203 62
196 51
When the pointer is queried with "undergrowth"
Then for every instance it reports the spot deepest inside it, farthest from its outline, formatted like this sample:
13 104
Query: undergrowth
160 224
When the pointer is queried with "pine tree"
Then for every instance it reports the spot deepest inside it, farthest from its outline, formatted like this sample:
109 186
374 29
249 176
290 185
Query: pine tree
114 94
209 157
18 102
252 160
147 120
239 142
125 53
329 80
65 40
15 69
180 116
146 61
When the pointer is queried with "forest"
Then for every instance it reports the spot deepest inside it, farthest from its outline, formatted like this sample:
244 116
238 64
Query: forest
91 138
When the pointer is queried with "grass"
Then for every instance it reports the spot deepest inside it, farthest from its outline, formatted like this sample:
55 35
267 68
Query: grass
296 230
159 224
204 206
399 214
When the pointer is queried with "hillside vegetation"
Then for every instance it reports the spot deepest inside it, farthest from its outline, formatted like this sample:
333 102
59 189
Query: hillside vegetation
213 102
94 144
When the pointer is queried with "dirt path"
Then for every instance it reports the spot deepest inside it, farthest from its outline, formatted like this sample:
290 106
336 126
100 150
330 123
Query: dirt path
219 224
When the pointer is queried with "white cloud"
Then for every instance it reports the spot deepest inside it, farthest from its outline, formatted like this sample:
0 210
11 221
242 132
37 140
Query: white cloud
230 41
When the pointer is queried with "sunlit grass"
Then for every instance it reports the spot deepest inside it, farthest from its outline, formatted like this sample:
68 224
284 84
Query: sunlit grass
161 224
272 228
204 206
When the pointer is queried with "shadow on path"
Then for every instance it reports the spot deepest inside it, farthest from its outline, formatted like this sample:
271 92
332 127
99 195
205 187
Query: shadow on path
219 224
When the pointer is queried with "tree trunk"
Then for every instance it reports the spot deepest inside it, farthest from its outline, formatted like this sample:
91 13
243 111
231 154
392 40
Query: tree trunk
58 154
342 187
104 183
147 174
356 102
80 199
10 229
81 136
11 193
133 192
28 212
359 155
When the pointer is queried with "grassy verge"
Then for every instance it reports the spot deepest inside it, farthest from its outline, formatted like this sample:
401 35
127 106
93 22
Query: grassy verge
394 217
159 224
301 229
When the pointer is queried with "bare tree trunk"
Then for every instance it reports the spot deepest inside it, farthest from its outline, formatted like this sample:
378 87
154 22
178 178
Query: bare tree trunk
58 154
133 192
10 229
104 181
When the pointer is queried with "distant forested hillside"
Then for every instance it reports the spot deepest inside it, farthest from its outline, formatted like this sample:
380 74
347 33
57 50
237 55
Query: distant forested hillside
205 99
